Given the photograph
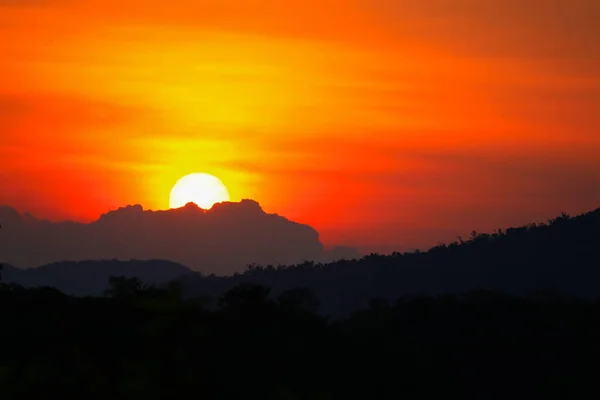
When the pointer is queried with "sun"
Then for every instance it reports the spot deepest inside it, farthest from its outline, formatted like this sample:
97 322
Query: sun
202 189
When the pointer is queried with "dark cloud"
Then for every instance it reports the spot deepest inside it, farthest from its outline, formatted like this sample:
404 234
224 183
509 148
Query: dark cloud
221 240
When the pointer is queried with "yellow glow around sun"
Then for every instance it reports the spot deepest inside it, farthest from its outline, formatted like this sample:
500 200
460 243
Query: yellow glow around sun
202 189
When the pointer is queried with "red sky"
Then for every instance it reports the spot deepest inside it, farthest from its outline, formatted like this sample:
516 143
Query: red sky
381 123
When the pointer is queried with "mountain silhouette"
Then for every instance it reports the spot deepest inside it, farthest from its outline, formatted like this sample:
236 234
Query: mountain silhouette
561 256
221 240
91 278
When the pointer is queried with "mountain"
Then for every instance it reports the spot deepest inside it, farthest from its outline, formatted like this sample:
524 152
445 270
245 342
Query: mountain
90 278
560 257
221 240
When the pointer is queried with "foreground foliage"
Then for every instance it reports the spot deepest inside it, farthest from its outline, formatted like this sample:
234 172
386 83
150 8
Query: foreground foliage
150 343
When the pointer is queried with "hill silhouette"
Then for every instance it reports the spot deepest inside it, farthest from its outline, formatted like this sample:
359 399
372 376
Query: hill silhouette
559 256
416 325
91 278
221 240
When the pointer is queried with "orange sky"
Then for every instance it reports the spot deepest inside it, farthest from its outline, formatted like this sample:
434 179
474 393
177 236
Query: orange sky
382 123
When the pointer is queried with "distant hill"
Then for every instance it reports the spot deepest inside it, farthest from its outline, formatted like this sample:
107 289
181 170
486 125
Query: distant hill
560 256
90 278
221 240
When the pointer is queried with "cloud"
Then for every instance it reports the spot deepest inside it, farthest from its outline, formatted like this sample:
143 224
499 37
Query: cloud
221 240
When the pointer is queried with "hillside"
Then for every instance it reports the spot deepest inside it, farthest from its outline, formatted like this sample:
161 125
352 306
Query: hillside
221 240
90 278
139 341
562 255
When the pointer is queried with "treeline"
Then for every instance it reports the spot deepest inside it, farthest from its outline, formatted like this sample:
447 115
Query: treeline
140 341
561 255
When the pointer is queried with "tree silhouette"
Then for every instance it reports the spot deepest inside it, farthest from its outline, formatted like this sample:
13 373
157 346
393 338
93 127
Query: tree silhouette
245 296
122 287
1 266
299 299
379 333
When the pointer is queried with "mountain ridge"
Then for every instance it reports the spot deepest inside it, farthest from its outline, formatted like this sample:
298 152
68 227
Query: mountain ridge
223 239
561 255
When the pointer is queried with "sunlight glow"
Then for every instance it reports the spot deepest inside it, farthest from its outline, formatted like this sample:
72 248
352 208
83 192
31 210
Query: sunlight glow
202 189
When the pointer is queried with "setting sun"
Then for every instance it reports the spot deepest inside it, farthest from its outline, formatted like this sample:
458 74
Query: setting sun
202 189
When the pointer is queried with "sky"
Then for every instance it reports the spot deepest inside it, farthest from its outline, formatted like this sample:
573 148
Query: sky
384 124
